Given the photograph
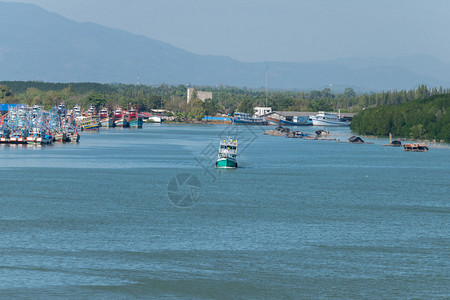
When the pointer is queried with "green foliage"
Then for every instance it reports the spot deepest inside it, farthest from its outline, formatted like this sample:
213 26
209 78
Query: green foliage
349 93
246 106
197 109
420 119
6 96
212 106
97 100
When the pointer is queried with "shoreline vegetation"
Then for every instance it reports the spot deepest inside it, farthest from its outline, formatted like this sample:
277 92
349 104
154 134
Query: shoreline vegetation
420 113
421 119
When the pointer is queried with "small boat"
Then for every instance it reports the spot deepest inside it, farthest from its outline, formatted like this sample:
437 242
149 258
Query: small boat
395 143
416 147
227 154
245 119
328 119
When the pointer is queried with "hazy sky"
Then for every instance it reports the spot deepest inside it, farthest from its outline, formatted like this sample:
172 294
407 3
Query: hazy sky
277 30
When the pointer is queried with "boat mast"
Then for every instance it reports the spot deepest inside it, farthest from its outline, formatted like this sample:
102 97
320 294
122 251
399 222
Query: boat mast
267 80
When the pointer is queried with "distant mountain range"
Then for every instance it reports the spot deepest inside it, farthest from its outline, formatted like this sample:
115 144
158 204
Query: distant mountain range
38 45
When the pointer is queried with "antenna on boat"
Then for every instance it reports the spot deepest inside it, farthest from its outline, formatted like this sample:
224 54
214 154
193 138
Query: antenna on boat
267 80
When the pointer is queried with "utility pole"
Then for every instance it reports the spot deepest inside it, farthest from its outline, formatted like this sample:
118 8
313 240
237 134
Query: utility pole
267 81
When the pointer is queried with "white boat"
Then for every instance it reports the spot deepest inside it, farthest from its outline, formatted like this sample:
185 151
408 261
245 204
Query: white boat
328 119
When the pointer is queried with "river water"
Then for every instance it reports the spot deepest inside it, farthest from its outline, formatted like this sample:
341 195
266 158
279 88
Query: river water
143 213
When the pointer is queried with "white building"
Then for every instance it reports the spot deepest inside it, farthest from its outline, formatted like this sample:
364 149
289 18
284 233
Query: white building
200 94
262 111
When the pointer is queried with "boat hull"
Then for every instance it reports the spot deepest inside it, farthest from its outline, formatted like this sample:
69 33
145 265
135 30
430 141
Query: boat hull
330 123
136 122
75 138
289 123
273 121
91 127
108 123
122 123
249 122
226 163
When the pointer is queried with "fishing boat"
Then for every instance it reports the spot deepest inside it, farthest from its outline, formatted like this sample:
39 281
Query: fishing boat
246 119
88 123
37 137
105 119
119 118
74 137
76 111
90 111
227 154
273 121
4 137
133 119
60 137
297 121
18 137
61 110
328 119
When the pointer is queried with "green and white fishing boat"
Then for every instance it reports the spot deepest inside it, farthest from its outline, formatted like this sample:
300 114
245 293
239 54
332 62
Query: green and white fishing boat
227 154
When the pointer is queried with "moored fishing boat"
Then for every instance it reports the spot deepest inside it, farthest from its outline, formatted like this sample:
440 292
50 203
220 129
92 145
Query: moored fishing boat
297 121
4 138
18 137
273 121
88 123
133 119
74 137
105 120
90 111
76 111
119 118
60 137
227 157
36 137
246 119
328 119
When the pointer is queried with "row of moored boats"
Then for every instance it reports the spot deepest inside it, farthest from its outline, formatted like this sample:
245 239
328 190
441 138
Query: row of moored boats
91 120
32 125
321 119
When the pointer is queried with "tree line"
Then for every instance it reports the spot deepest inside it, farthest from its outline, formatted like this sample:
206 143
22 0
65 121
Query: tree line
226 100
427 118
